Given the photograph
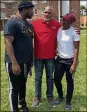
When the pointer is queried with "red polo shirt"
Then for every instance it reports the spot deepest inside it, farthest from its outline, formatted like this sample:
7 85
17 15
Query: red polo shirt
45 35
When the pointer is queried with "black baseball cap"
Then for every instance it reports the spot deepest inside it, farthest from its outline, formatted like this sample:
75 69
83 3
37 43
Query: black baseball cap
25 5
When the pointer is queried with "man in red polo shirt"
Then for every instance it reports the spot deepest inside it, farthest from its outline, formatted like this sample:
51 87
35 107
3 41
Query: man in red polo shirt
45 35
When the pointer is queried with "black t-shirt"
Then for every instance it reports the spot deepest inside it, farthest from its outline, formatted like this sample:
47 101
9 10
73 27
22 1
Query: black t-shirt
22 31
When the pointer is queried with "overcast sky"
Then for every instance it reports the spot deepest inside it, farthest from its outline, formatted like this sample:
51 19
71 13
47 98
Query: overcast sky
83 3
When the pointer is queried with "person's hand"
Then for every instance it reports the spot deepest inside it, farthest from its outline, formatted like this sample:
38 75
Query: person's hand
73 68
30 72
77 30
56 52
16 68
14 16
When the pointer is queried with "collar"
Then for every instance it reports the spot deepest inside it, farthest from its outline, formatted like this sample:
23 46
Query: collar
44 22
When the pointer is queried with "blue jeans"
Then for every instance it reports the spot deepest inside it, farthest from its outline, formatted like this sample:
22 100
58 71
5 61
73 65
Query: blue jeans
49 68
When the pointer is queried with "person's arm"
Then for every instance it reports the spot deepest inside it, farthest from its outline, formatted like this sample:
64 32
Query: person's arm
76 52
9 48
9 36
56 48
58 31
77 30
10 52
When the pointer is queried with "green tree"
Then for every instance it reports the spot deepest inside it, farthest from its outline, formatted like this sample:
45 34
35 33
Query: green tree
82 7
86 11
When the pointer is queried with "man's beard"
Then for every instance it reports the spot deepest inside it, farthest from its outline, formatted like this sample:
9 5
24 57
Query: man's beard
47 20
30 16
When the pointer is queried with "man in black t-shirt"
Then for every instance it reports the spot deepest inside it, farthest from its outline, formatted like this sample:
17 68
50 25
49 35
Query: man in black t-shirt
18 35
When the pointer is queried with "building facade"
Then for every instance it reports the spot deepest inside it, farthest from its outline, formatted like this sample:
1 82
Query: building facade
61 7
83 21
8 8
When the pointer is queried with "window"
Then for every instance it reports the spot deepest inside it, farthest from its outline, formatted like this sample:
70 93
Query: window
3 14
43 1
34 2
2 5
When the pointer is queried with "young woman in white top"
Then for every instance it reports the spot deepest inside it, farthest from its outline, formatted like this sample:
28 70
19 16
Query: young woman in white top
66 62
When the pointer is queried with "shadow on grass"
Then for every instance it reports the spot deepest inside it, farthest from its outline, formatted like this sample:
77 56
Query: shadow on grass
79 103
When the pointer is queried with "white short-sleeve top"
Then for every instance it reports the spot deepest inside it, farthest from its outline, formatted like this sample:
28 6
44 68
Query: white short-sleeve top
65 40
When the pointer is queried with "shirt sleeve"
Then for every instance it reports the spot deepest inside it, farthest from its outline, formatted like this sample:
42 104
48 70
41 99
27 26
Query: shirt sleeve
10 28
76 36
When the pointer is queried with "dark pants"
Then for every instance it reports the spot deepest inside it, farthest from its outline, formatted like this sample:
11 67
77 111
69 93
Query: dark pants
49 68
17 91
61 67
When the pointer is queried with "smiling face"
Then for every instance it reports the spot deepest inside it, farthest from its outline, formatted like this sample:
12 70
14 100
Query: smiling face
65 23
67 20
48 13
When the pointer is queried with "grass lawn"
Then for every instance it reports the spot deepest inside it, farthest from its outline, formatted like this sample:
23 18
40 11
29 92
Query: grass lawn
79 101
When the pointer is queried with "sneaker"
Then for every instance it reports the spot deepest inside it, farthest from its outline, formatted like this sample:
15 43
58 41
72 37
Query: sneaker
68 107
59 100
35 102
52 102
24 109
